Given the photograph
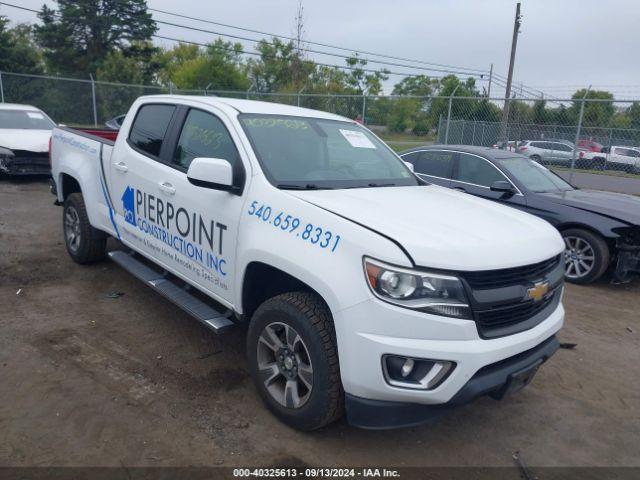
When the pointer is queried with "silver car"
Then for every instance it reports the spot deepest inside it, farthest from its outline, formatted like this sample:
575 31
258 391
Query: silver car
557 152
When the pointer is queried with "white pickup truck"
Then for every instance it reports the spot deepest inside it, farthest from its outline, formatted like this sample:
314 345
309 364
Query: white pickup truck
614 157
362 287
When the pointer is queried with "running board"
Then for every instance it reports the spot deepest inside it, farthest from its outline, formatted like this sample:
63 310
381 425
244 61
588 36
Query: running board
205 314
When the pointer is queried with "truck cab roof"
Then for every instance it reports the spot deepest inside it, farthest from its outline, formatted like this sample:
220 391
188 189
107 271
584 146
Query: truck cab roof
251 106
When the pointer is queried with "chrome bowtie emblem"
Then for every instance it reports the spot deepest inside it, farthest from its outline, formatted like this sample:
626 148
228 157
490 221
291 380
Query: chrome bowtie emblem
538 291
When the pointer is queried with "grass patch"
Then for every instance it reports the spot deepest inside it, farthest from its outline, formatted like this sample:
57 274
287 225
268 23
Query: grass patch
610 173
404 141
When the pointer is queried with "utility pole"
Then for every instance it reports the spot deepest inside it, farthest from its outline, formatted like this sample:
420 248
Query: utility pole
507 95
490 80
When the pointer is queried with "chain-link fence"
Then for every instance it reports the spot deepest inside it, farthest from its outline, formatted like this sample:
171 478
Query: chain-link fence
590 136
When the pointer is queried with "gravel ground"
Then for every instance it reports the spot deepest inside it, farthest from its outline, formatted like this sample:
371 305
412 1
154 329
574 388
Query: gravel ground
88 380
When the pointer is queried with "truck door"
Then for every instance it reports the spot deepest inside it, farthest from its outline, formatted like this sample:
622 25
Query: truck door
189 230
134 174
213 215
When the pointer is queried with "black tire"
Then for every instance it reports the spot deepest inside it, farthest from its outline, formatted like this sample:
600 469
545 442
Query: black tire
89 244
599 163
310 318
601 255
535 158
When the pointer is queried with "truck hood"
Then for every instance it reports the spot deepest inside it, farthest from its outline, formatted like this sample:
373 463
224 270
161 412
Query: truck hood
25 139
620 206
445 229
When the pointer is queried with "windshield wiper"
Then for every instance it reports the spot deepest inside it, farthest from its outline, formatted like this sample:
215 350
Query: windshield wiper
381 185
308 186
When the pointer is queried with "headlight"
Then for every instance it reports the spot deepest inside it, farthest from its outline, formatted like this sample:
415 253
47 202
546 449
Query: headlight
428 292
5 152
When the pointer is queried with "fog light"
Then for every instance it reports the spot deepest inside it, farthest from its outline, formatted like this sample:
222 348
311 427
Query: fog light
407 367
415 373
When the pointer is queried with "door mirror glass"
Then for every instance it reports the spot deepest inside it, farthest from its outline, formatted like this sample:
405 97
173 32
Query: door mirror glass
502 186
409 166
215 173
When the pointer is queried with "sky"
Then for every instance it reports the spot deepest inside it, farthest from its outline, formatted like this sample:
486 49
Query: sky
564 45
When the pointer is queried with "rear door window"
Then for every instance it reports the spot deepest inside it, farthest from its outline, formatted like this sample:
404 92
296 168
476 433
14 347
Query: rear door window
434 163
563 147
149 128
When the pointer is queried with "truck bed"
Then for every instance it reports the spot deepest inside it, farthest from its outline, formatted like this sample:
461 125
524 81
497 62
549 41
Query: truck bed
84 158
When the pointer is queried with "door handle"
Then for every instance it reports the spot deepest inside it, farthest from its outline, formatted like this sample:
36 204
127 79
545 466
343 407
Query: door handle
167 188
121 166
460 189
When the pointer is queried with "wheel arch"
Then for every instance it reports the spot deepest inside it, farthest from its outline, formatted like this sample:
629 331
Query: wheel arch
610 240
262 281
67 185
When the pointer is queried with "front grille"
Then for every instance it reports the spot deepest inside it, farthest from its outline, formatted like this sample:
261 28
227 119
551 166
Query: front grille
510 276
28 162
511 314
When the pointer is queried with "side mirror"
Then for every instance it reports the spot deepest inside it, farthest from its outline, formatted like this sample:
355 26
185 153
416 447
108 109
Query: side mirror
502 186
410 166
215 173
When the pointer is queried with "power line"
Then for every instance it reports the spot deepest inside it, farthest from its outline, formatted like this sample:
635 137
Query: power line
308 50
352 50
368 60
254 53
258 54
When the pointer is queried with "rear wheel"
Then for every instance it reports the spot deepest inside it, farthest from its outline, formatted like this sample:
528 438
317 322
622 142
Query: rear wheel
535 158
84 243
293 359
586 255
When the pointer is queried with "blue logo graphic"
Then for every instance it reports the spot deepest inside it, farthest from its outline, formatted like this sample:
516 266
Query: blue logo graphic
128 205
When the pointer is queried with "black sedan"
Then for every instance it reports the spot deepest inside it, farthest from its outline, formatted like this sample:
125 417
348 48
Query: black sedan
601 229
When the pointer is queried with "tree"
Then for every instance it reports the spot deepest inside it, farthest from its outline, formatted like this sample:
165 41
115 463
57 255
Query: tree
218 66
79 36
139 65
359 81
403 114
597 113
460 109
419 85
634 115
539 113
18 52
274 71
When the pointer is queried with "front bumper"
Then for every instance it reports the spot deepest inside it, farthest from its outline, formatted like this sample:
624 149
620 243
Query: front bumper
30 163
371 329
494 380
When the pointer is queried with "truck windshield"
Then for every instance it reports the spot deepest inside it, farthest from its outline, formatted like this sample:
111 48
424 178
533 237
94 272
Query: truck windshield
25 119
533 176
310 153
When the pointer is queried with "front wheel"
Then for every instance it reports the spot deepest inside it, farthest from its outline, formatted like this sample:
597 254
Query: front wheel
293 359
586 255
84 243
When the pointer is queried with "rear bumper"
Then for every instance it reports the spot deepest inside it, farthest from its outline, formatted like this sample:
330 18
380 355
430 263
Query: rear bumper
494 380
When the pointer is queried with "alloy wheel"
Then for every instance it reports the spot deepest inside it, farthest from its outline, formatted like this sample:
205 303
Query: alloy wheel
579 257
284 365
72 228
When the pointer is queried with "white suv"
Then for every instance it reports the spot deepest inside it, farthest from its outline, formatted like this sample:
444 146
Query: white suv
547 151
